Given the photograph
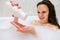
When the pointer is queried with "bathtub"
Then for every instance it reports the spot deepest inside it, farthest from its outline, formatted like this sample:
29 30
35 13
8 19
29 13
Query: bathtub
8 31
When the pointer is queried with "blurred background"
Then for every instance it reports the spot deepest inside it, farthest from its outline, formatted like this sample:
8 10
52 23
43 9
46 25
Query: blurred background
29 6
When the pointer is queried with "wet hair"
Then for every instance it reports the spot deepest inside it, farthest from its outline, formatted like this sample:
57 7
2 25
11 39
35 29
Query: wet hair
52 14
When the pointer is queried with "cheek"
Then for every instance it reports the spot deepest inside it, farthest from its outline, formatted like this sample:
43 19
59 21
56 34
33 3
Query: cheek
46 16
40 15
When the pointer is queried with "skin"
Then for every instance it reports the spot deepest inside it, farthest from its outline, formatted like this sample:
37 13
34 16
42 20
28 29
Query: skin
43 13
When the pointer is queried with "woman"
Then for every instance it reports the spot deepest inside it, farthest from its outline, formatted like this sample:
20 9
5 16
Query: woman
47 16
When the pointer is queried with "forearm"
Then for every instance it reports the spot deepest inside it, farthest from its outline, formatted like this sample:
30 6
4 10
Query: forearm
33 32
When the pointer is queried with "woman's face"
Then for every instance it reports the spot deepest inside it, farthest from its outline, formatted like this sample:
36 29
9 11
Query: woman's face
43 13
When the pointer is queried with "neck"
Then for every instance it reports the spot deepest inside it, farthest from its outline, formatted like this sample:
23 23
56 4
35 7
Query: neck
44 23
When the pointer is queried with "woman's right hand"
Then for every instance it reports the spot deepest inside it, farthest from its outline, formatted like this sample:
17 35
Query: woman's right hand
15 4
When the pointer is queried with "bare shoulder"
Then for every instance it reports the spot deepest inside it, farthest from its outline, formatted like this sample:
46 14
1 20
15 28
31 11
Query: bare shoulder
53 27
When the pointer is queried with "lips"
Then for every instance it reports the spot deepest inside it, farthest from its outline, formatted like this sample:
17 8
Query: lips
41 17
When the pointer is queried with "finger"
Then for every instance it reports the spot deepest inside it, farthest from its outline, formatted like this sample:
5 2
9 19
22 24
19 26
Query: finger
12 4
16 4
27 28
11 1
17 26
19 30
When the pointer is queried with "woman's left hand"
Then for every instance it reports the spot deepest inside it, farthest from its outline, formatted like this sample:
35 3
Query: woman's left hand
24 29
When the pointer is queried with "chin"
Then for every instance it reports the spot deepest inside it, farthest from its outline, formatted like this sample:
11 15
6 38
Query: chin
42 21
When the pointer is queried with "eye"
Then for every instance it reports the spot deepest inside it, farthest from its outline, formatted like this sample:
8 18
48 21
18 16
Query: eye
43 11
38 12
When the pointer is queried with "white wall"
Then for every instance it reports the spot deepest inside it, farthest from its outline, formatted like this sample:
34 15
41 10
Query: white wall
29 6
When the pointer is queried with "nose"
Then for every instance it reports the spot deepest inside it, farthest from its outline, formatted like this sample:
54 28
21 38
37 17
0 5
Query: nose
41 15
